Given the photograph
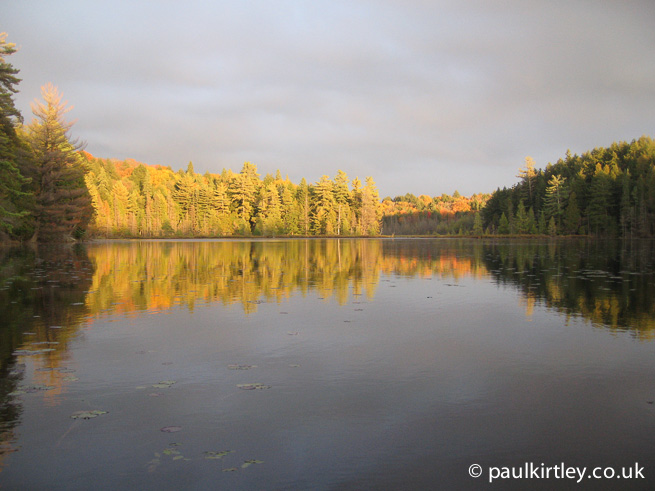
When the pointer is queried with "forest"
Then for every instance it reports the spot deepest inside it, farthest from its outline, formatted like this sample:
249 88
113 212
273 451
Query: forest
53 190
608 192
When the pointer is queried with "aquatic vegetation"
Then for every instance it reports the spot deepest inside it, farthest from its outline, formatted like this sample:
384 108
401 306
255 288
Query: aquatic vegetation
87 414
171 429
164 384
28 389
241 367
217 455
255 386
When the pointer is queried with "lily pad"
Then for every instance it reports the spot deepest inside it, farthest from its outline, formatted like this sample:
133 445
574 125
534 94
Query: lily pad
217 455
255 386
34 388
87 414
164 384
248 463
171 429
230 469
241 367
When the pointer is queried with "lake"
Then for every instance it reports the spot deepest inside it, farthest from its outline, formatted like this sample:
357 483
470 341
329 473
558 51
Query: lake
328 364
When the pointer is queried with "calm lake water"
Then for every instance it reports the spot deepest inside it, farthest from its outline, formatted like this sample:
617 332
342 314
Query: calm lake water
326 364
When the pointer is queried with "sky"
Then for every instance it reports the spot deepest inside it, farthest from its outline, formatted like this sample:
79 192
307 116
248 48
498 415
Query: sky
427 97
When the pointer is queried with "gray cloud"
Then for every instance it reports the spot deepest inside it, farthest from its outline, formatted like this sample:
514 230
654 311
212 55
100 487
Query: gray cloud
427 97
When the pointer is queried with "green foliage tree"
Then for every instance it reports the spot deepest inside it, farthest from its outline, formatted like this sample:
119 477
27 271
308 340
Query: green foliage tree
477 224
555 198
16 200
598 210
572 215
503 225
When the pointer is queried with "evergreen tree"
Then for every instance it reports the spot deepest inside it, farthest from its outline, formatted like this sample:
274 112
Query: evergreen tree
572 215
15 198
521 220
528 175
477 224
555 198
598 211
503 225
541 223
63 203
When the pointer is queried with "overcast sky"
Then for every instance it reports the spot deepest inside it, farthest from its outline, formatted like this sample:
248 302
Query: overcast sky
425 96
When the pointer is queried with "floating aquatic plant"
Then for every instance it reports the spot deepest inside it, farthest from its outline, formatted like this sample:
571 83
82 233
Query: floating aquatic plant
87 414
171 429
164 384
255 386
56 369
28 389
248 463
217 455
241 367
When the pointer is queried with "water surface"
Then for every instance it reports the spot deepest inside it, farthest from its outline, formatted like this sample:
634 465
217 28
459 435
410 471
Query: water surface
381 363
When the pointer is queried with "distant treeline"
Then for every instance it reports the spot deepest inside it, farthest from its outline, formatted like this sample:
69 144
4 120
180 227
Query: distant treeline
440 215
136 200
603 192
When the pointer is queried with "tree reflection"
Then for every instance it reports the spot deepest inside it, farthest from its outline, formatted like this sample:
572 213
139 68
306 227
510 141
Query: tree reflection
42 294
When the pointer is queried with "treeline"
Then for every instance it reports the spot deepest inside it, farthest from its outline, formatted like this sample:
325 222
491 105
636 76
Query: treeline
135 200
439 215
605 192
50 190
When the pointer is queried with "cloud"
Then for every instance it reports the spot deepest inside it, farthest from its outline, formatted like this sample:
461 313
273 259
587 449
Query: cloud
426 97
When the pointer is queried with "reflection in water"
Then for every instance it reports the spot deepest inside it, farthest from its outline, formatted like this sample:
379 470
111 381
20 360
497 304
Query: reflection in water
42 294
609 283
48 295
153 276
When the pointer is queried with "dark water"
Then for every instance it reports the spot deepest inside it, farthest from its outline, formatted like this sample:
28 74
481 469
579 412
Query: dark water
383 364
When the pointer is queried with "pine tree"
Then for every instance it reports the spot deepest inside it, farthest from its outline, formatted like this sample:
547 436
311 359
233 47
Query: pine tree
555 198
15 198
527 174
63 203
